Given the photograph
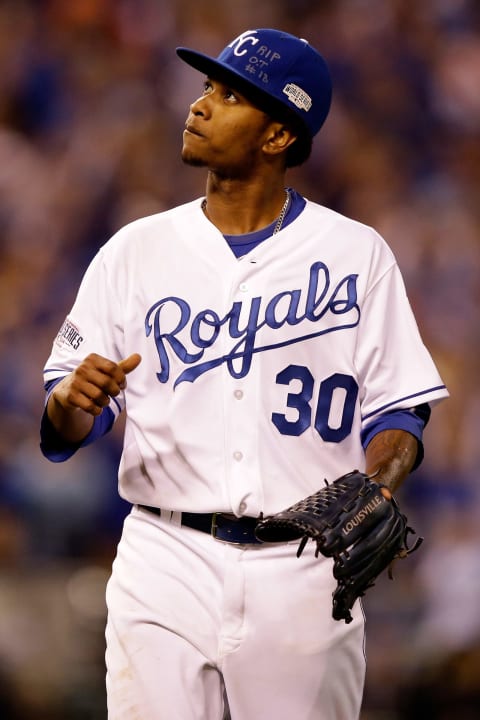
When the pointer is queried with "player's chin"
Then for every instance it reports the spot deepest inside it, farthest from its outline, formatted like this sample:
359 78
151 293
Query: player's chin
192 158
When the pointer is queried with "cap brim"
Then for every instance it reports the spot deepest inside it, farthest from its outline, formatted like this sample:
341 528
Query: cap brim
211 67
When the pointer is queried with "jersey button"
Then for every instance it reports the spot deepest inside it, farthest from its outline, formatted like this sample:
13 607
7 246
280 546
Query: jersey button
237 455
242 507
243 286
238 394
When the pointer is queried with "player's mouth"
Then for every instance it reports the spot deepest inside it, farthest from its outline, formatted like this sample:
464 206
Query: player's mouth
190 129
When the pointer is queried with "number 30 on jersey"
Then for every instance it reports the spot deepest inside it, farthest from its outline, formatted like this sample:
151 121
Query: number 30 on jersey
300 400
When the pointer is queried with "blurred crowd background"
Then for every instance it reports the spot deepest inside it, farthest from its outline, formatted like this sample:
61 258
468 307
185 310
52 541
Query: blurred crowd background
92 106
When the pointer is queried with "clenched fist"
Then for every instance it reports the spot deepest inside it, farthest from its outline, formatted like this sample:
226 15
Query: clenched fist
82 395
91 385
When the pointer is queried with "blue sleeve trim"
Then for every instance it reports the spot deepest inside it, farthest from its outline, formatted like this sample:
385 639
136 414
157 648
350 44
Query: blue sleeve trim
54 447
50 384
402 399
407 420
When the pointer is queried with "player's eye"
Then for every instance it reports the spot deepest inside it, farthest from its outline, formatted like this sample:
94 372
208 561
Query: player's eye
209 86
230 95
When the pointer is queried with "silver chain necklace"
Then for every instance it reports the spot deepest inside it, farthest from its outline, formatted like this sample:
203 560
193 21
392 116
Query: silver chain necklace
281 217
283 212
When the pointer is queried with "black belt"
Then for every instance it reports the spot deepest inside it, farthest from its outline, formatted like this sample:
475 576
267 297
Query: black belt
221 526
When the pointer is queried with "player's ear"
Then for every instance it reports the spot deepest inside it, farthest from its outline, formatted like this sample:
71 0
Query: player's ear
278 138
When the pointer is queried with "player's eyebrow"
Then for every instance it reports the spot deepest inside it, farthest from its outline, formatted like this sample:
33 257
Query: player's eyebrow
226 84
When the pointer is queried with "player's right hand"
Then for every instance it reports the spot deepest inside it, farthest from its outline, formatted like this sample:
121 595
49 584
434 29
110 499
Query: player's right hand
91 385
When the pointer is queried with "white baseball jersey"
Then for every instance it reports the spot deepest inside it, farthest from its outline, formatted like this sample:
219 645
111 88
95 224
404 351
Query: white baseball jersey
258 374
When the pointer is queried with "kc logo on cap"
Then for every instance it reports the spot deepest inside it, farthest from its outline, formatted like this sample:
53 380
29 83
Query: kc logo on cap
249 36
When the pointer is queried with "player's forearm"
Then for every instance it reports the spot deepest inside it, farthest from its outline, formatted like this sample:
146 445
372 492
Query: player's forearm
391 454
72 424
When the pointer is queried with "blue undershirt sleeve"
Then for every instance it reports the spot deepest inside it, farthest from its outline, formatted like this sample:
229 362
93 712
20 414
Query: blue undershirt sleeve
412 421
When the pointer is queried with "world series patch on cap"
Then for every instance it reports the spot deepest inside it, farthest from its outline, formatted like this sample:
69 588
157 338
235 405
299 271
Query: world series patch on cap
274 66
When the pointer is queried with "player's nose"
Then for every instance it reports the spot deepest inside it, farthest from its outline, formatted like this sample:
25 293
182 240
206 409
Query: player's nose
200 106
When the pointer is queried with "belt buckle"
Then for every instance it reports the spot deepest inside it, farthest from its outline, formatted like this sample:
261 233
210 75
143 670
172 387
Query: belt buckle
215 527
227 532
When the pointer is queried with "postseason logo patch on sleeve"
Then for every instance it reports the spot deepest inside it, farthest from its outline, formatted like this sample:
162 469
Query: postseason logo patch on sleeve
69 335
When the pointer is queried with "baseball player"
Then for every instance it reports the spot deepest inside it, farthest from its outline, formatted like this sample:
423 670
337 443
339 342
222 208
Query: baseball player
258 344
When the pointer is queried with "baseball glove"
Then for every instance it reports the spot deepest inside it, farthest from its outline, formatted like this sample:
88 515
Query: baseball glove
354 523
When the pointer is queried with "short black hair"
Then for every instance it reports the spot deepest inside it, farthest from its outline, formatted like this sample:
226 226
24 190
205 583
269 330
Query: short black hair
299 151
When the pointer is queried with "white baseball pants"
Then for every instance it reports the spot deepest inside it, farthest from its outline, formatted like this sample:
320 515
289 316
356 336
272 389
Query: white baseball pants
192 620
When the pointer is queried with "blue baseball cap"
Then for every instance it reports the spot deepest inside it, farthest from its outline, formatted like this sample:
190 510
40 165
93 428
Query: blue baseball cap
275 70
